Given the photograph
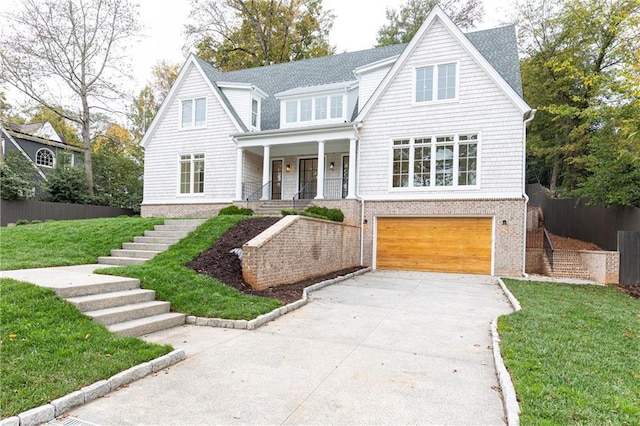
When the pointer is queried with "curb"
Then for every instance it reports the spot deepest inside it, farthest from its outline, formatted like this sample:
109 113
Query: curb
270 316
511 406
58 407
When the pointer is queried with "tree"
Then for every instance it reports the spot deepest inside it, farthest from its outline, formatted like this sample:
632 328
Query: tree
17 177
67 184
237 34
405 21
118 169
72 44
579 59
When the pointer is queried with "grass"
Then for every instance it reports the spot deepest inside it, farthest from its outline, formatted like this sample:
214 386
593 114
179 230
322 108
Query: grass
574 354
49 349
68 242
192 293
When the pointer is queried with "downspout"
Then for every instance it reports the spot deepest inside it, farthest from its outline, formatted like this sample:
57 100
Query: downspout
531 116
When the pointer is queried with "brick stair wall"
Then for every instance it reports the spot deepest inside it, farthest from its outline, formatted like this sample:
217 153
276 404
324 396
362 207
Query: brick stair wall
566 264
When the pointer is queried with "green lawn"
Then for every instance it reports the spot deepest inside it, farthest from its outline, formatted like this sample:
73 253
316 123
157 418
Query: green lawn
67 242
573 353
192 293
49 349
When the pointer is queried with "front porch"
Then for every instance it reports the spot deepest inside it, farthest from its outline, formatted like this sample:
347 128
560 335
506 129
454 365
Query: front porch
296 165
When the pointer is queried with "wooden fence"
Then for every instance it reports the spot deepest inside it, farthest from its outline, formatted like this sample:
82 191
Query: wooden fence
13 211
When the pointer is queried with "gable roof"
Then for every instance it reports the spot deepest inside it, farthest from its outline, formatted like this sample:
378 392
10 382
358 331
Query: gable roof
498 44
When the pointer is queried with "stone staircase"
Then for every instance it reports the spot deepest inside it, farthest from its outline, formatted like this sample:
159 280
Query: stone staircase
122 305
153 242
275 207
566 264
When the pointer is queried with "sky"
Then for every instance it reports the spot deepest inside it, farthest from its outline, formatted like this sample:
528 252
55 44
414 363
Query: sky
355 27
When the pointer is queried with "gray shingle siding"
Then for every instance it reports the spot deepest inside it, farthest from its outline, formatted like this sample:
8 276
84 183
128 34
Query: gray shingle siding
497 45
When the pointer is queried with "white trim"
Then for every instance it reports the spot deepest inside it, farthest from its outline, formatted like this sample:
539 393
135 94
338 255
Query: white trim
437 12
435 88
23 152
383 63
321 90
193 125
191 60
191 155
284 124
53 158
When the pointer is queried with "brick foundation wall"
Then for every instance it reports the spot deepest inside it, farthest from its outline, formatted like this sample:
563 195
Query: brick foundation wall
603 266
509 239
535 261
182 210
297 248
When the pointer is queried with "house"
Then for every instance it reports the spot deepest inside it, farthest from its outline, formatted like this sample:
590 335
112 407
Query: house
40 144
422 145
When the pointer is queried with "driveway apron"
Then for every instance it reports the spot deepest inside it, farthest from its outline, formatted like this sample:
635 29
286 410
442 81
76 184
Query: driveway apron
381 348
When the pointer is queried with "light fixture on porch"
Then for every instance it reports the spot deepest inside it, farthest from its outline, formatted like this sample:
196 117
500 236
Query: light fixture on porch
287 168
332 165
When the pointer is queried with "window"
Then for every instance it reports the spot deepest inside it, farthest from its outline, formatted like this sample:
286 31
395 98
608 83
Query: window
401 163
45 158
292 111
194 112
192 174
436 79
254 112
318 108
306 109
436 161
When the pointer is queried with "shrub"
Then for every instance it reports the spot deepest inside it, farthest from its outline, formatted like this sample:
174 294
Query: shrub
67 183
291 212
17 177
335 215
235 210
22 222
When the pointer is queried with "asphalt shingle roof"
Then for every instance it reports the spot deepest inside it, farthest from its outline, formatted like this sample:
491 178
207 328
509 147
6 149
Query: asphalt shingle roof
497 45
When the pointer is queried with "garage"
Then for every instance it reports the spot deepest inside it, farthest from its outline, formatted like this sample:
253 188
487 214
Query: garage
435 244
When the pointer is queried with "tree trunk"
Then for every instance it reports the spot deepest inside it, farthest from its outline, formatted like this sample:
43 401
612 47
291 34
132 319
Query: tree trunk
86 143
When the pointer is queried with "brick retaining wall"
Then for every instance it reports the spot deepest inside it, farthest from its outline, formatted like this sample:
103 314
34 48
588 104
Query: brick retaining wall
297 248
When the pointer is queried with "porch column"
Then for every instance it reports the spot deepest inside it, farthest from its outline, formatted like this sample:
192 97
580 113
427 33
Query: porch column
239 169
351 190
320 182
265 172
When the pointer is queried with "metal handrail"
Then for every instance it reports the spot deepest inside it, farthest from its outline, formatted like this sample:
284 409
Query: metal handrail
296 196
257 194
547 245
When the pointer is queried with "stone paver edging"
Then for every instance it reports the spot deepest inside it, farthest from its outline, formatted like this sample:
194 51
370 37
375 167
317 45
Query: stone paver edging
511 407
58 407
262 319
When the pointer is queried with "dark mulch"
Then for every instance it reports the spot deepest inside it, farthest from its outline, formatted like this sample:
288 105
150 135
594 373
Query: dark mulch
224 266
631 290
534 240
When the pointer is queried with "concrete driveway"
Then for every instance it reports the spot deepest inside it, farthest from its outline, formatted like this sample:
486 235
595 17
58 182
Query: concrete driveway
381 348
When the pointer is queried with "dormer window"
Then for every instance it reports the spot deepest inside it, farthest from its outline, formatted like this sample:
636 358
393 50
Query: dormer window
254 112
193 113
337 110
317 108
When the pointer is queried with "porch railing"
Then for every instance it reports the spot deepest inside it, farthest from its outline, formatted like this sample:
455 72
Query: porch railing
333 189
256 193
302 194
547 245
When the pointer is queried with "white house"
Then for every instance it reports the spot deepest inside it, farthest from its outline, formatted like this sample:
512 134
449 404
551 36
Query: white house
422 145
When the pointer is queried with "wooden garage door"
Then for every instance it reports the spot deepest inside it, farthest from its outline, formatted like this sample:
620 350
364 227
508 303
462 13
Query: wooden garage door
439 244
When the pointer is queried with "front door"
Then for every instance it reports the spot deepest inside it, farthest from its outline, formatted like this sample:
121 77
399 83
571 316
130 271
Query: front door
276 180
308 178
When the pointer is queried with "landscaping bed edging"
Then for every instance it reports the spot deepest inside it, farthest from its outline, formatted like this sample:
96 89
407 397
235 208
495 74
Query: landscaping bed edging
510 399
58 407
270 316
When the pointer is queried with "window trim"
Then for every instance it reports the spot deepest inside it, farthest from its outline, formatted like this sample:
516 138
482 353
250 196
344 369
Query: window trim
313 121
193 125
191 175
432 177
434 99
53 158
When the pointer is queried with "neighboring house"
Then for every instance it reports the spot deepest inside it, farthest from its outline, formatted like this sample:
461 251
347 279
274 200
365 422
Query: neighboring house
420 144
40 144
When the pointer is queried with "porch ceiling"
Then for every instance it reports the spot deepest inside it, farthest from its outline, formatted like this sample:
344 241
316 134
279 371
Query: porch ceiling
303 148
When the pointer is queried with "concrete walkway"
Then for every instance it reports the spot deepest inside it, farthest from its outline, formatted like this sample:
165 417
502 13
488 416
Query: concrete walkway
381 348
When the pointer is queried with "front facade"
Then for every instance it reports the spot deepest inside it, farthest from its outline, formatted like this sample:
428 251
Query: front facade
421 145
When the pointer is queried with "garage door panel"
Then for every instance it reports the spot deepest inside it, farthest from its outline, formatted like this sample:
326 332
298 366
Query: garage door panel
434 244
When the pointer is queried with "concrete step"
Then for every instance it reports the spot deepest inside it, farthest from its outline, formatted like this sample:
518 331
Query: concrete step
146 246
121 261
165 234
117 314
109 300
141 326
156 240
90 289
143 254
176 228
179 222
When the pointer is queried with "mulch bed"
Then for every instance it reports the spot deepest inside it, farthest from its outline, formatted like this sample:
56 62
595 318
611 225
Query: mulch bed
631 290
219 263
534 240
